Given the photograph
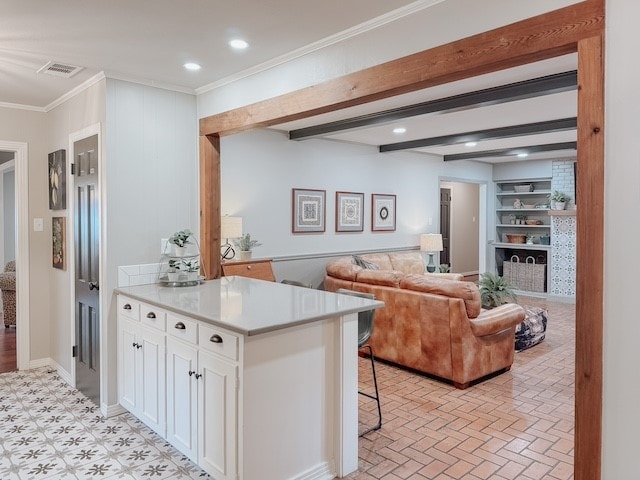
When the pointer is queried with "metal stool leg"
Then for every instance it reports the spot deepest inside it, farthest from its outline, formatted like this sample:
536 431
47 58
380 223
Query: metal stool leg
375 397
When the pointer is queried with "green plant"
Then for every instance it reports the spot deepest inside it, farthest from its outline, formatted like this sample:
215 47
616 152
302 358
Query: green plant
444 268
174 265
558 196
245 244
191 265
495 290
181 238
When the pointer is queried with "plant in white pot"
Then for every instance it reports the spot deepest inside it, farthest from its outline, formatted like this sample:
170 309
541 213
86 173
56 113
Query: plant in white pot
244 245
173 273
559 200
192 268
179 240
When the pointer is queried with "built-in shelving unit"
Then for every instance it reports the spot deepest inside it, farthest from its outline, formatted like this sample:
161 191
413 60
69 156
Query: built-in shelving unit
513 208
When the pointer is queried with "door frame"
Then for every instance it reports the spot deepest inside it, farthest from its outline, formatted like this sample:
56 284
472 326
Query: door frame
23 348
10 165
483 242
95 129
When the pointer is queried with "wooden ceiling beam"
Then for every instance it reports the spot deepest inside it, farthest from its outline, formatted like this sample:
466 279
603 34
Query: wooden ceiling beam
538 38
507 152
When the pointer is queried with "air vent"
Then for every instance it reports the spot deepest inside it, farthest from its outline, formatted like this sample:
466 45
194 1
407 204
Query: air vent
58 69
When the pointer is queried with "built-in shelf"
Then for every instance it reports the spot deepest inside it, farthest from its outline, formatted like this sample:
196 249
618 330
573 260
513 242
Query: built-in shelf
525 210
524 194
523 246
562 213
524 226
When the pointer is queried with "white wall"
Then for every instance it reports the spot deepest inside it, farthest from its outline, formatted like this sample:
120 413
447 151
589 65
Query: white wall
152 189
30 127
85 109
526 170
260 168
464 213
9 215
621 417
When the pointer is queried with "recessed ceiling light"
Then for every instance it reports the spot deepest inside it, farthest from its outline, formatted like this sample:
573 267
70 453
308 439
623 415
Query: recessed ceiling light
471 144
399 130
238 44
192 66
523 155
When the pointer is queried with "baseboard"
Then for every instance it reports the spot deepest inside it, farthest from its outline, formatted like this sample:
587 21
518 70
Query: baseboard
323 471
62 373
112 410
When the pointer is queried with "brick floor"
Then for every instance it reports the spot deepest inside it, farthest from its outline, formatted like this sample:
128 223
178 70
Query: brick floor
518 425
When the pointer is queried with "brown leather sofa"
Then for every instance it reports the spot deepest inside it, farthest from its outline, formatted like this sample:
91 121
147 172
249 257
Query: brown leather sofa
430 323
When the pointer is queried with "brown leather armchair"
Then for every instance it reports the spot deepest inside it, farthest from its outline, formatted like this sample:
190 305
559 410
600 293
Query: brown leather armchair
8 286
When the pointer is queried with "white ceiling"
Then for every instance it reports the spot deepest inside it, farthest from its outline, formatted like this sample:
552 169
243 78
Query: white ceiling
150 40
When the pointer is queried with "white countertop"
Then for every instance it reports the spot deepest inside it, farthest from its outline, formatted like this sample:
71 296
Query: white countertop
249 306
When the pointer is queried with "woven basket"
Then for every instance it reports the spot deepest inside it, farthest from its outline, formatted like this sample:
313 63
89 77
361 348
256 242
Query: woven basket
528 276
516 238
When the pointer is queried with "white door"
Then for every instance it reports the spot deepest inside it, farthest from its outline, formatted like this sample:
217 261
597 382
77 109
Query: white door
182 397
150 367
127 361
217 416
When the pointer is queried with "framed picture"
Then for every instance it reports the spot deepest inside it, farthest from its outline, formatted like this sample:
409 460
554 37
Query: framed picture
59 242
349 212
308 211
383 212
57 180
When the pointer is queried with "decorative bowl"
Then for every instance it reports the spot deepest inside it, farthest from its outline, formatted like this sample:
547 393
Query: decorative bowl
523 188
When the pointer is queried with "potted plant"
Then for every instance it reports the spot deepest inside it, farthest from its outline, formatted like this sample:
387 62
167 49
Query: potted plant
192 268
495 290
444 268
179 240
244 245
173 273
559 200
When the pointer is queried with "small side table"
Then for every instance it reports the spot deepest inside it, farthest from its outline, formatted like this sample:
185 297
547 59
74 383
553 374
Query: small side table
259 269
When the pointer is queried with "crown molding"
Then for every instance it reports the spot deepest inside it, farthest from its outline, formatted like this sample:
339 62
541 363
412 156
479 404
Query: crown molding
19 106
150 83
75 91
325 42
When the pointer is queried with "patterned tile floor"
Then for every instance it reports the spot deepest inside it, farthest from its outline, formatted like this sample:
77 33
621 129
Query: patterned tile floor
518 425
49 430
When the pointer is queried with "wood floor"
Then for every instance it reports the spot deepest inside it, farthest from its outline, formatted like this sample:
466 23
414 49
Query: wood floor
7 349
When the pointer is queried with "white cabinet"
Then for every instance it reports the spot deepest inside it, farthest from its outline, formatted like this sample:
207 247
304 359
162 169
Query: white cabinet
141 367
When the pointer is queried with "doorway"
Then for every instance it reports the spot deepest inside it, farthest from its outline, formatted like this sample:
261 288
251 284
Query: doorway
460 227
8 359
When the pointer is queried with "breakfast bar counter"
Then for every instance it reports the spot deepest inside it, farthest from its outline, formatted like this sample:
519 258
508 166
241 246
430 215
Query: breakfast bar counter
250 379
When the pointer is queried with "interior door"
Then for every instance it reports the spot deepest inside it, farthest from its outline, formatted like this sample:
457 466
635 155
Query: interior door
87 248
445 224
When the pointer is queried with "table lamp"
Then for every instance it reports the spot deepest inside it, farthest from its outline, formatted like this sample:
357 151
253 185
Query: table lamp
431 243
230 227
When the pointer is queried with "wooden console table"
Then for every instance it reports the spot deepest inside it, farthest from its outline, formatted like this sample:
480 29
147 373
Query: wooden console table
259 269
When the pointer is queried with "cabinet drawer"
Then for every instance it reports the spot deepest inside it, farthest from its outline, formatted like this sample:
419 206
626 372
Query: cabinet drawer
153 316
260 270
222 343
183 328
129 308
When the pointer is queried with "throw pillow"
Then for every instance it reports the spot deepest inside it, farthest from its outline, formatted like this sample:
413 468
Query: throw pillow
361 262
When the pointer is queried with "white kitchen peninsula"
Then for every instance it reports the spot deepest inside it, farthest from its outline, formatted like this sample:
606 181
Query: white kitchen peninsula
250 379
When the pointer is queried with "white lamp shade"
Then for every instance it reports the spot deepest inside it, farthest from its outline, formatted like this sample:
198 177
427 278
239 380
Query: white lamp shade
431 242
231 227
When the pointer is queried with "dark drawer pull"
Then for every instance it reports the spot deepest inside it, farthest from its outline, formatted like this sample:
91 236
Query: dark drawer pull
216 338
127 306
180 326
151 315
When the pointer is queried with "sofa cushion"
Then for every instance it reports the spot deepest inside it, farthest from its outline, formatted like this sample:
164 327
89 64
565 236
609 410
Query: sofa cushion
386 278
343 269
407 262
466 291
361 262
380 259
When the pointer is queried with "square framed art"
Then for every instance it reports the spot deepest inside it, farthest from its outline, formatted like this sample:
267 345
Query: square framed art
308 210
349 212
383 212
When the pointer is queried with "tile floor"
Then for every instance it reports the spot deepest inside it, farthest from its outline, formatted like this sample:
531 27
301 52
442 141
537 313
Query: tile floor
518 425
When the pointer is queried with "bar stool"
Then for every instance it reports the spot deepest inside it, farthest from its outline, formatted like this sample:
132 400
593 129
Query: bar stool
365 329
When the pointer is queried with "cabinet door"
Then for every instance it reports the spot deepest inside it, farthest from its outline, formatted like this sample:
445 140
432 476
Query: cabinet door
127 353
217 416
182 399
151 381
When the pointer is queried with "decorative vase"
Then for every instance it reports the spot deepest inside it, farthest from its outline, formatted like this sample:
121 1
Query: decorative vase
244 255
558 205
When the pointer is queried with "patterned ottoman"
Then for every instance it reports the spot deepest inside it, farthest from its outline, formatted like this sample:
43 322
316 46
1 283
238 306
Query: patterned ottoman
532 329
